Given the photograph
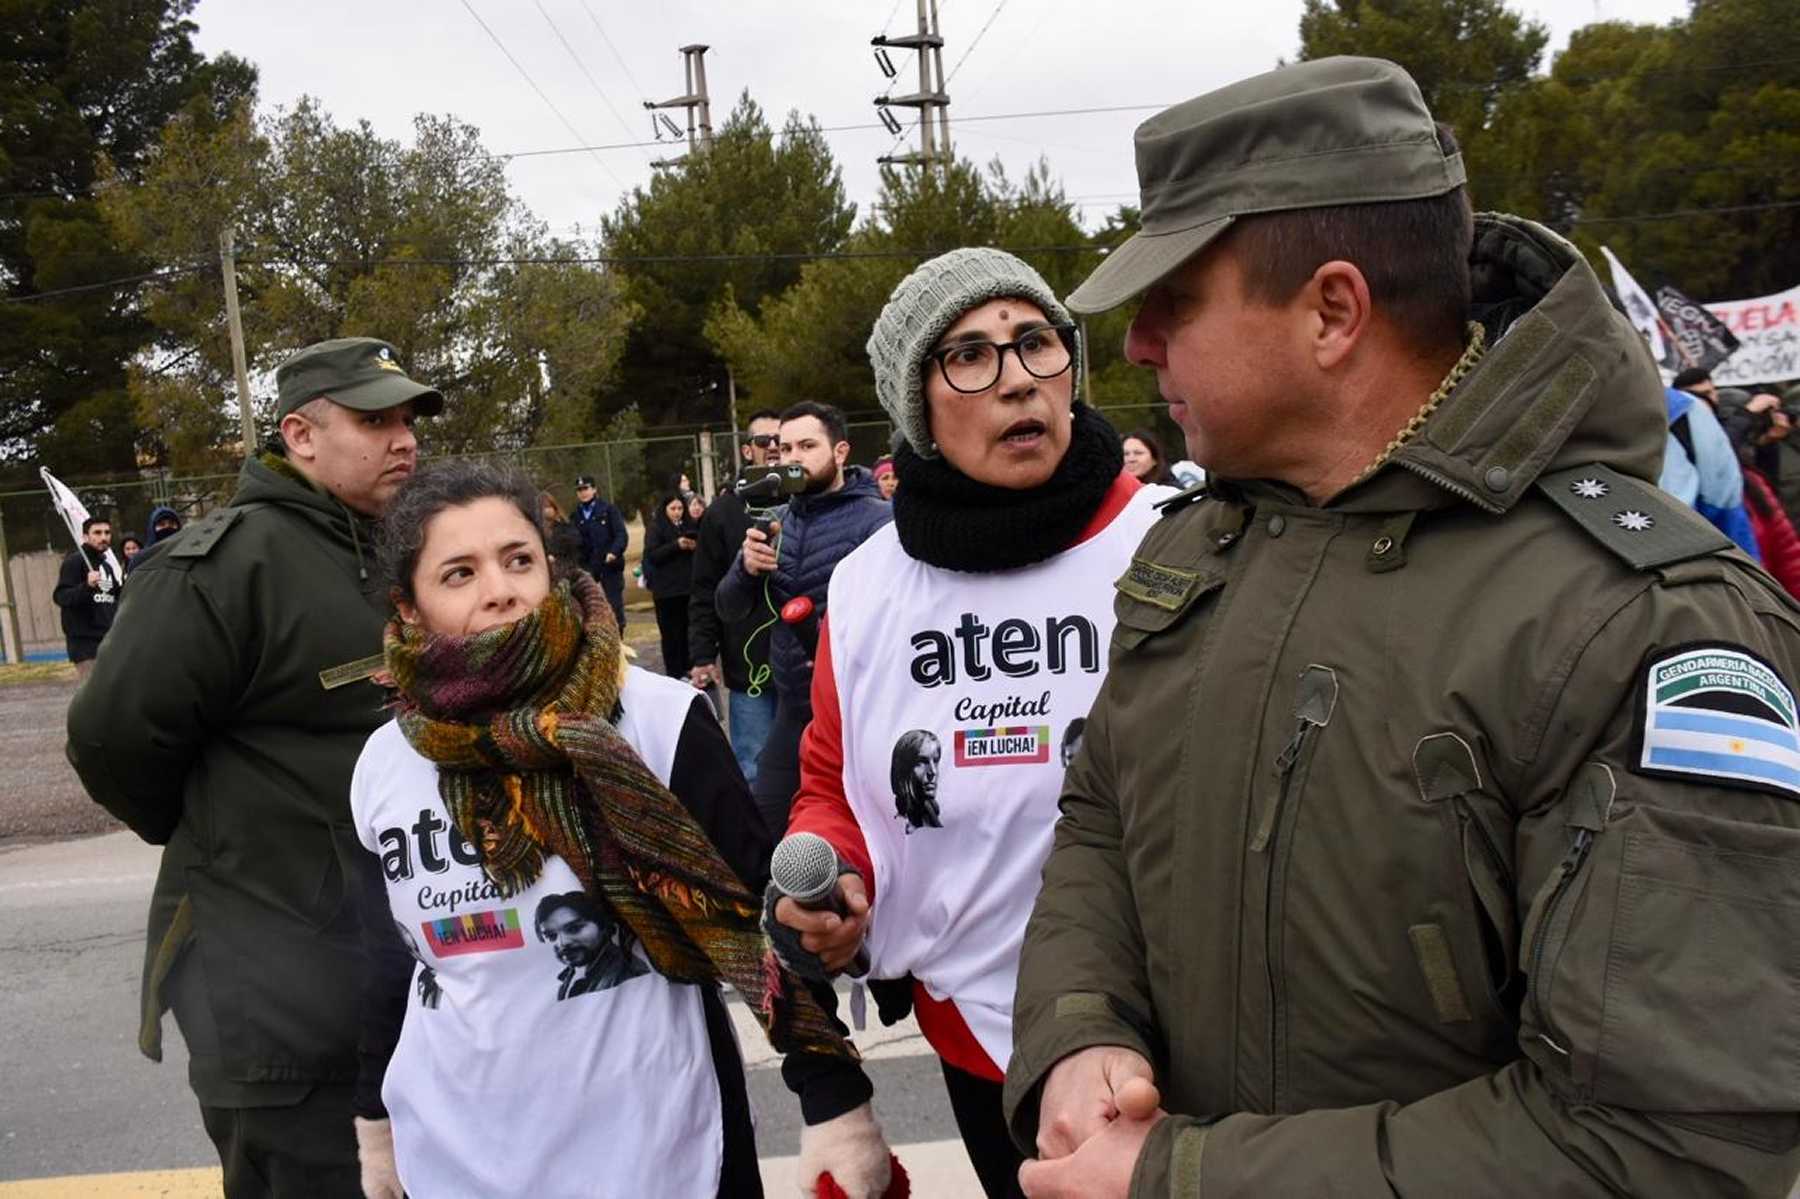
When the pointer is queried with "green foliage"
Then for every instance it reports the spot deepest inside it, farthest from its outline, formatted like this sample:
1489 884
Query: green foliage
750 194
808 342
1632 120
82 79
343 233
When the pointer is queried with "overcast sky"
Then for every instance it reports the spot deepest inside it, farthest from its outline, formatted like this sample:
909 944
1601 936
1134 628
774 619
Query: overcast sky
385 60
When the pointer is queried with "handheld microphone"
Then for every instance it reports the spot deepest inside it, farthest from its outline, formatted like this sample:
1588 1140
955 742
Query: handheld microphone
805 869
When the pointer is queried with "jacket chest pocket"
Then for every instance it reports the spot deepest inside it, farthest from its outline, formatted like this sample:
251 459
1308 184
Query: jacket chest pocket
1153 599
1483 872
1664 965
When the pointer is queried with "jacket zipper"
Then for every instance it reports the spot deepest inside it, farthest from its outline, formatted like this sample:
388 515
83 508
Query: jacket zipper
1284 770
1432 476
1540 987
1285 763
1488 849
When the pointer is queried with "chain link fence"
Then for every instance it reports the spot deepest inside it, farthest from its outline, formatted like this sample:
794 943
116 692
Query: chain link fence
633 474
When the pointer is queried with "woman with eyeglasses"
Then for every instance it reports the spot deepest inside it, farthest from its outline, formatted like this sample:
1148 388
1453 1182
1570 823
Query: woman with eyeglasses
964 639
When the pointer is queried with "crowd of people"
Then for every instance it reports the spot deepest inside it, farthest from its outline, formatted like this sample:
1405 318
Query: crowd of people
1409 809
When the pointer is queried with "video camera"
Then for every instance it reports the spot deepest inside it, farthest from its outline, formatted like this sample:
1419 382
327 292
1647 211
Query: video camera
763 488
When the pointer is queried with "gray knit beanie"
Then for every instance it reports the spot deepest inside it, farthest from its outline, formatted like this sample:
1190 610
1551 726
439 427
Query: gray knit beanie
927 302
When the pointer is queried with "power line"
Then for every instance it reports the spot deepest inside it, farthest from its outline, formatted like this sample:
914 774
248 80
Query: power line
582 67
526 75
617 57
965 54
798 256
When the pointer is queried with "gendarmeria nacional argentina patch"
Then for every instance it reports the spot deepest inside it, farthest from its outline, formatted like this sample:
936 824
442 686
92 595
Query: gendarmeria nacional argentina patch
1719 712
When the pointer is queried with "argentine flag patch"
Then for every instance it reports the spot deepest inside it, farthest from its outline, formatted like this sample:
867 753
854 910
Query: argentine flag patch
1719 712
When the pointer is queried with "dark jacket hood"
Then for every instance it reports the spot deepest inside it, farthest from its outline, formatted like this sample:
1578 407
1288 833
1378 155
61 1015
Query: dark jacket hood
270 479
1565 381
157 513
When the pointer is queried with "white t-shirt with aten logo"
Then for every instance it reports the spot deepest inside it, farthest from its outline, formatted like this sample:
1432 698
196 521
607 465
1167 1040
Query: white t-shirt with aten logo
960 705
541 1055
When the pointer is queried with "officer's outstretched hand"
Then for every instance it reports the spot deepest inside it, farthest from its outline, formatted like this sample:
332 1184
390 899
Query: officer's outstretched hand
1102 1167
834 938
759 549
1081 1096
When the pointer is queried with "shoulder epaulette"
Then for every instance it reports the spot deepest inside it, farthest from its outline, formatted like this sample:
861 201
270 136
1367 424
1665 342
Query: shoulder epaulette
1182 499
197 539
1639 522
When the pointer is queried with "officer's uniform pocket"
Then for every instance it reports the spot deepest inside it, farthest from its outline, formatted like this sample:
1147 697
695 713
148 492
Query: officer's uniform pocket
1153 599
1673 982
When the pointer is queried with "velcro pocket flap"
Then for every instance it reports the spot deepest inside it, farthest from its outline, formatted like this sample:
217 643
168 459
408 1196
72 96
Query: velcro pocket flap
1140 617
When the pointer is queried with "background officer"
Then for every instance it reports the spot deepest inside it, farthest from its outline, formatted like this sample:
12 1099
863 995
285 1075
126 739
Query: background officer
223 724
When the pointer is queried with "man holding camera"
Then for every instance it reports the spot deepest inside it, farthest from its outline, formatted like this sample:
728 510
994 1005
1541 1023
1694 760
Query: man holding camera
793 560
737 653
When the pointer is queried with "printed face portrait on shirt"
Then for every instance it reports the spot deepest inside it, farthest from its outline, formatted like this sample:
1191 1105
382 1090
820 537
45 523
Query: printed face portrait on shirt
574 929
1071 740
913 772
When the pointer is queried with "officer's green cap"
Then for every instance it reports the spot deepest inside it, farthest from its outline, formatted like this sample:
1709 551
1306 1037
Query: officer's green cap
362 373
1315 134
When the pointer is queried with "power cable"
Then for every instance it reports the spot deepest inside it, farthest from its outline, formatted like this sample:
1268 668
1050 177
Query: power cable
582 67
526 75
617 57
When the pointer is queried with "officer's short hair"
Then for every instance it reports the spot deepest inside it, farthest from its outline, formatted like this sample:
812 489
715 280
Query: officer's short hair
1414 254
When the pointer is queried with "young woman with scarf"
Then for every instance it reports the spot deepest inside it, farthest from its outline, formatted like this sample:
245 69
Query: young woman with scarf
563 843
961 643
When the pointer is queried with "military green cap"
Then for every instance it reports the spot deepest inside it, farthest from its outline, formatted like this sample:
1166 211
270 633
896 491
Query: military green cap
362 373
1315 134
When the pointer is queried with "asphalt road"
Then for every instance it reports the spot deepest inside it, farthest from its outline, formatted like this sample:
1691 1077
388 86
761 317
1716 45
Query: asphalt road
79 1100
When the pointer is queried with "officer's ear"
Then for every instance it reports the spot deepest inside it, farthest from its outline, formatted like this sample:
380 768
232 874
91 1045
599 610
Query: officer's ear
1338 311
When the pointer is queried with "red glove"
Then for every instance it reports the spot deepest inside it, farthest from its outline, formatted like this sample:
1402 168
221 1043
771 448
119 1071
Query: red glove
899 1188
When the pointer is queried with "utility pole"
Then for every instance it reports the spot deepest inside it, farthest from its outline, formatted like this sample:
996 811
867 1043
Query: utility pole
932 101
695 100
228 261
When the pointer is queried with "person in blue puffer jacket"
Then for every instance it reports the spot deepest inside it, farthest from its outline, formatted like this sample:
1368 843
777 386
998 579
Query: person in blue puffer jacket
840 508
1700 468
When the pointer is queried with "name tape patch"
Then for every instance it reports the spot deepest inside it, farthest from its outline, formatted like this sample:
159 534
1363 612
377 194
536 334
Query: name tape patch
1162 586
1719 712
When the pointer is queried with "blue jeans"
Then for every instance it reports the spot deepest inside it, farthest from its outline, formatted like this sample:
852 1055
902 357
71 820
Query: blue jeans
751 718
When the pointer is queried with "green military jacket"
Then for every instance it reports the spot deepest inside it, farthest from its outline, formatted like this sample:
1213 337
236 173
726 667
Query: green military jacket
206 727
1444 839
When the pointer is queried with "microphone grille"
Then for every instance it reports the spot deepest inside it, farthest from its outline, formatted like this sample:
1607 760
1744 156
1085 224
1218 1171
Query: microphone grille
804 866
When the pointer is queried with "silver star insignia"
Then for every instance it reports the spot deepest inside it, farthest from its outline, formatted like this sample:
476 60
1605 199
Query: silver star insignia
1633 522
1589 489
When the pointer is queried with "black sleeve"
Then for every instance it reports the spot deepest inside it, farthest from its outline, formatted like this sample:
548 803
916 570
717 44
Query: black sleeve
71 582
710 562
619 534
386 981
707 781
660 546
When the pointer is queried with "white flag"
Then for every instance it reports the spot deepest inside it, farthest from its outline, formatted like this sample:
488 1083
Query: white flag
1638 307
74 513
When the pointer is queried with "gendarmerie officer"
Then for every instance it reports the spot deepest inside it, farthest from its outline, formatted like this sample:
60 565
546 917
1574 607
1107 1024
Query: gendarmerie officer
223 724
1435 830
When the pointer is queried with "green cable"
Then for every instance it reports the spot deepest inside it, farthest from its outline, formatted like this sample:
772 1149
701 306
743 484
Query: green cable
755 673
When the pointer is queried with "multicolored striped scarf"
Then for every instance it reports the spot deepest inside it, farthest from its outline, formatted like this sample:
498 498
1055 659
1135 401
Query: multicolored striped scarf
529 763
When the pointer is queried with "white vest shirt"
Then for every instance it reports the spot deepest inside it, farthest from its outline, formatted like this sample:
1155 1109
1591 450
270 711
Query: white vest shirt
530 1066
958 695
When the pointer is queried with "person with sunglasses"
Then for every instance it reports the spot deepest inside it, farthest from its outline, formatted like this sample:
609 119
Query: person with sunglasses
979 620
734 653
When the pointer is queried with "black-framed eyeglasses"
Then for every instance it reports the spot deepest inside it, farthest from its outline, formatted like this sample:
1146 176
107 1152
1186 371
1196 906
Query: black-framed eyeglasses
764 441
974 366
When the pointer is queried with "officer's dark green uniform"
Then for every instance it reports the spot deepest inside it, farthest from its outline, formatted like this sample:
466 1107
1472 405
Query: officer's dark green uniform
1443 839
209 728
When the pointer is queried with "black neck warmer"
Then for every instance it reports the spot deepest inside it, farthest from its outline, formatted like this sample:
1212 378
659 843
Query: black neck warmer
949 520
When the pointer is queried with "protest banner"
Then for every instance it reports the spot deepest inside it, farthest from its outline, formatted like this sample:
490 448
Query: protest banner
1768 333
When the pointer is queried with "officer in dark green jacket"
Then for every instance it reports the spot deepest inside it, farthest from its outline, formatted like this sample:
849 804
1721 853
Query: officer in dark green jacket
223 725
1437 828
